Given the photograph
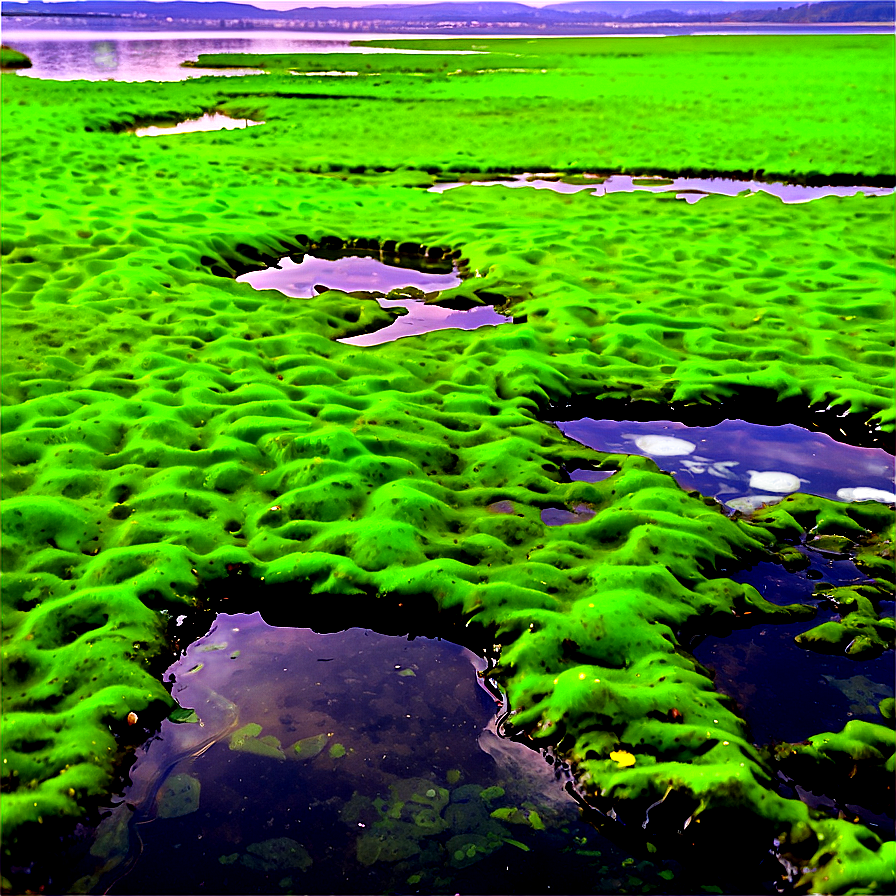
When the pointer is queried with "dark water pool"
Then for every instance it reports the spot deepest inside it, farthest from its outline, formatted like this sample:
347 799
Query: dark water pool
409 289
784 692
744 465
351 762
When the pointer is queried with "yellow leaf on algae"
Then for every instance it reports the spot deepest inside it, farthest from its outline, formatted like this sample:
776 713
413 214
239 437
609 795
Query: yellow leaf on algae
623 758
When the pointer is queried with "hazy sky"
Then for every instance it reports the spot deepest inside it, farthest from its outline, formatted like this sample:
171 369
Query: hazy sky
295 4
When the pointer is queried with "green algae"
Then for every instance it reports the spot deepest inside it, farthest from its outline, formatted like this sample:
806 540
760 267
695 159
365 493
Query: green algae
179 796
862 531
246 740
11 59
524 88
278 854
440 826
309 747
165 427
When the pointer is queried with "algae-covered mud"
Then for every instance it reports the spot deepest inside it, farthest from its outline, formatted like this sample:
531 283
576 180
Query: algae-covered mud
11 60
177 441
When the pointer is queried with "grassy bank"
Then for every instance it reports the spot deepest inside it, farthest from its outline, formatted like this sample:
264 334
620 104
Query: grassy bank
169 433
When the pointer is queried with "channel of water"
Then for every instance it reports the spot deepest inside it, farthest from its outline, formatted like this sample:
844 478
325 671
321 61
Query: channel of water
691 189
392 287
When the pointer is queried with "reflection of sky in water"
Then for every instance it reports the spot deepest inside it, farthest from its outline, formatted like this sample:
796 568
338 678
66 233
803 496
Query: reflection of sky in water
157 56
398 752
209 122
369 274
688 188
743 464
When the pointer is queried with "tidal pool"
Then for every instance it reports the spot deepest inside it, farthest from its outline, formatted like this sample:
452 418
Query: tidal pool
784 692
212 121
391 285
690 189
744 465
350 762
788 694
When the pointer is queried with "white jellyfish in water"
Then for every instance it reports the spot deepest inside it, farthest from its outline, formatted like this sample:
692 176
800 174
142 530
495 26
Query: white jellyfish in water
664 446
774 481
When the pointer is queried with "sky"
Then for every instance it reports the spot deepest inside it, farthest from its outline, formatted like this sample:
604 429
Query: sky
295 4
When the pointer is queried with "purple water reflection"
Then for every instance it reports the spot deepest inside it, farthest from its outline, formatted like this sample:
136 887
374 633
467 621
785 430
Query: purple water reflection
120 55
690 189
371 275
744 464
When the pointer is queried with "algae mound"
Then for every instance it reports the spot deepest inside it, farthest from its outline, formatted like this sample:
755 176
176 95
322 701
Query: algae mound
11 59
166 428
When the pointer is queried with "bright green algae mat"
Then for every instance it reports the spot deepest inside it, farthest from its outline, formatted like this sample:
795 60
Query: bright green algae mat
791 106
166 427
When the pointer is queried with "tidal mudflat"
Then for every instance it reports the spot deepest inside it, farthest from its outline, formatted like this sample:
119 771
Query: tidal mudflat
178 443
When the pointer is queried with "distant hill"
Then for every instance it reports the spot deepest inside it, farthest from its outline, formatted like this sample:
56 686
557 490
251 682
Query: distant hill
570 16
625 9
771 11
821 13
192 9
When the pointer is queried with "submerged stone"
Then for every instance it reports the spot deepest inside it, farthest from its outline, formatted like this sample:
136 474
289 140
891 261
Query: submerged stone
277 854
752 502
179 796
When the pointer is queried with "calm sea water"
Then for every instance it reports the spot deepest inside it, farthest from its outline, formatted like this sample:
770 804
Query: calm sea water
111 54
157 56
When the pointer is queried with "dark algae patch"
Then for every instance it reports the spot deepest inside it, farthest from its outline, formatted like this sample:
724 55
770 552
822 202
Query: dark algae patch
175 440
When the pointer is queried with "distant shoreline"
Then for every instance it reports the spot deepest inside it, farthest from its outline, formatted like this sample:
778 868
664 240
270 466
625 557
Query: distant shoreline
28 24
